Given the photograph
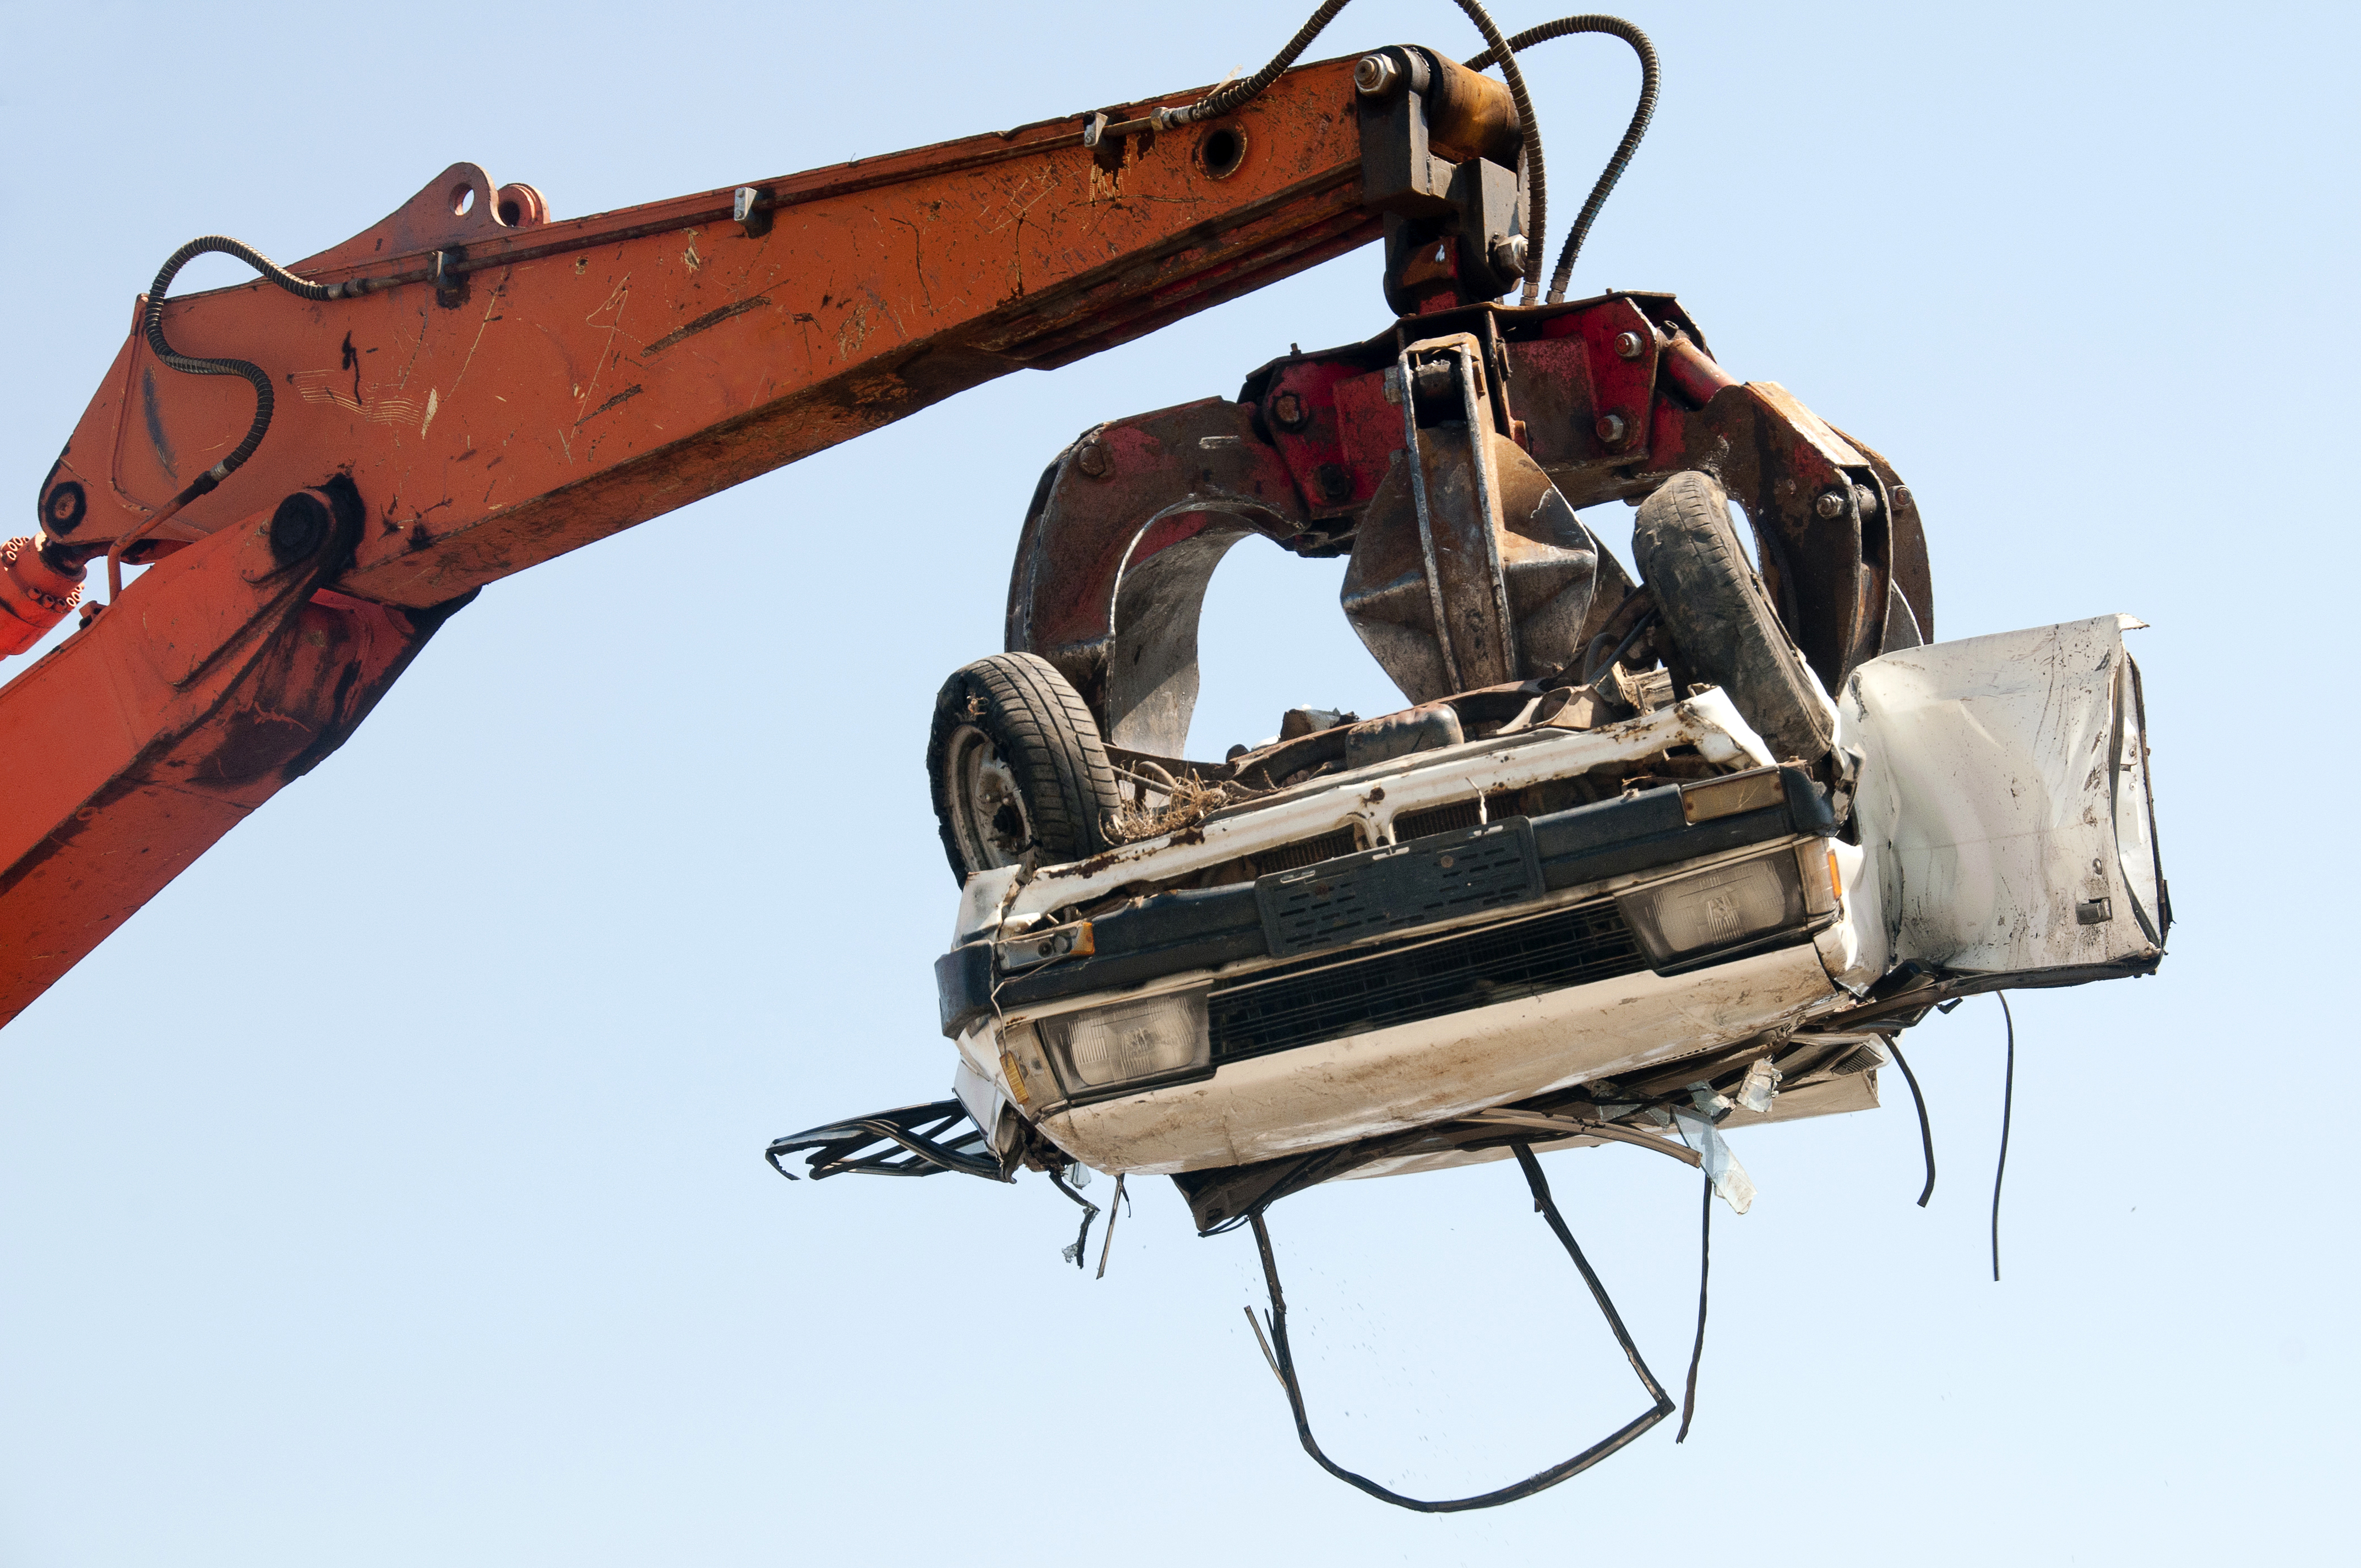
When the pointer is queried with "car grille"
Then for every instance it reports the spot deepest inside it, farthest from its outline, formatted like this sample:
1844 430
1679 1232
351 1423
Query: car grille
1440 819
1306 851
1326 999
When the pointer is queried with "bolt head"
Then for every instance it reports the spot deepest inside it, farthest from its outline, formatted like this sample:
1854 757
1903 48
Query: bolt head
1375 76
1287 412
1095 460
1830 505
1509 255
1630 344
1611 428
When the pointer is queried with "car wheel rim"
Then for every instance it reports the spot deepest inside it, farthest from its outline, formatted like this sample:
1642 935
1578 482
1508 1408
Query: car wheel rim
987 808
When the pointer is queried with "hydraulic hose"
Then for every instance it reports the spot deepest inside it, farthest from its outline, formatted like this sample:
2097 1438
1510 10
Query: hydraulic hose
153 326
1614 26
1228 98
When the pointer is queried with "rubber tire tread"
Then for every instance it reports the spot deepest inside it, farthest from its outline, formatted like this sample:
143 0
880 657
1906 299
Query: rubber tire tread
1046 734
1721 619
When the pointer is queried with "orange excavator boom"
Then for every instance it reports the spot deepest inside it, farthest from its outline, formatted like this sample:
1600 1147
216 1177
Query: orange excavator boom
470 388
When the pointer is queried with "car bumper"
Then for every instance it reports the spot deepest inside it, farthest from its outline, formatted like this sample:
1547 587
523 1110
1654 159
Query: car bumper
1393 1080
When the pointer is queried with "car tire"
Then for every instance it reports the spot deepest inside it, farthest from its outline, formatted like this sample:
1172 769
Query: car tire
1016 766
1722 625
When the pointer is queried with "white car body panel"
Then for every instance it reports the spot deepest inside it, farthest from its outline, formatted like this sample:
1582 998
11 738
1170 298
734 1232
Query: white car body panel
1986 799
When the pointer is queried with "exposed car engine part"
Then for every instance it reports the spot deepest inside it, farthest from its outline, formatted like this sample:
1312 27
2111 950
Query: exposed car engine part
1016 767
1722 621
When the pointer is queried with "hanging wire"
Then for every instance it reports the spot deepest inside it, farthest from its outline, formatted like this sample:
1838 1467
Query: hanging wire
2008 1104
1276 1350
1697 1353
1925 1133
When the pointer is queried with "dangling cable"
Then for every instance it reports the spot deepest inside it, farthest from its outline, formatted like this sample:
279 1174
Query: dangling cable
1697 1353
1073 1254
1283 1363
1925 1133
2007 1103
1614 26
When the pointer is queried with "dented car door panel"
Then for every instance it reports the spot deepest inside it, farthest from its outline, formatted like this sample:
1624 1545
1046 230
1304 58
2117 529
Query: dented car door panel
2003 800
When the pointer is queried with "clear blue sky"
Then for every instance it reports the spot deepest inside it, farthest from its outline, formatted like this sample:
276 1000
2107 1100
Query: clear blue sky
389 1190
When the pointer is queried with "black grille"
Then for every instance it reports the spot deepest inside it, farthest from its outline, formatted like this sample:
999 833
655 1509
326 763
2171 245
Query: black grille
1439 819
1417 883
1326 999
1306 853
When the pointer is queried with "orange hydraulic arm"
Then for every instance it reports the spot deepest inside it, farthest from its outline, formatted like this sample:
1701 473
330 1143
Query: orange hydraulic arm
490 388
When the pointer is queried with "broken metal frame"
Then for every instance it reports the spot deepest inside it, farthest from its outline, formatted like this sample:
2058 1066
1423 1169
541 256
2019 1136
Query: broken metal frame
906 1141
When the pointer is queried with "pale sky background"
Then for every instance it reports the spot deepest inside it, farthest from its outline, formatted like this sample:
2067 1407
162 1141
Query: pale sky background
389 1192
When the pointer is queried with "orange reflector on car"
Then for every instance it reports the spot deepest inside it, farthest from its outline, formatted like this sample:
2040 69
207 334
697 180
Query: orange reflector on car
1015 1076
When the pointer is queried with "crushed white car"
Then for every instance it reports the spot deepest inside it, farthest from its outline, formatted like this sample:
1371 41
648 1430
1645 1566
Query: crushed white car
1412 961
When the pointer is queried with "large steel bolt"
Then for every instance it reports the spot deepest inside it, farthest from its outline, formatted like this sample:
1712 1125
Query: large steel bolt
1288 412
1630 344
1610 428
64 508
1509 255
1831 506
1376 75
299 527
1093 460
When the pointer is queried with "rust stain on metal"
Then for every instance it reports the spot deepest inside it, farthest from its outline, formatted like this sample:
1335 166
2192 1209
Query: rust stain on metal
625 396
704 322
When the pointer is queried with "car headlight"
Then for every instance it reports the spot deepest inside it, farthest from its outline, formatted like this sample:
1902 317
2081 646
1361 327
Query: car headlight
1708 911
1103 1047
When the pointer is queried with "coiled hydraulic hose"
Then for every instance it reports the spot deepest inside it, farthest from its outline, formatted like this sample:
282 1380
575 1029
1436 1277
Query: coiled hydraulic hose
152 325
1614 26
1234 95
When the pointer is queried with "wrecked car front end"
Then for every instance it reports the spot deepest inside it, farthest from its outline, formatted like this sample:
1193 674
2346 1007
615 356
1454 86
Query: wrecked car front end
1395 950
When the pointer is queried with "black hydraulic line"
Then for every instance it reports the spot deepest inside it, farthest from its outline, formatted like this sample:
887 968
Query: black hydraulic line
152 325
1283 1363
1236 94
1925 1132
1565 26
2008 1104
1233 96
1697 1352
